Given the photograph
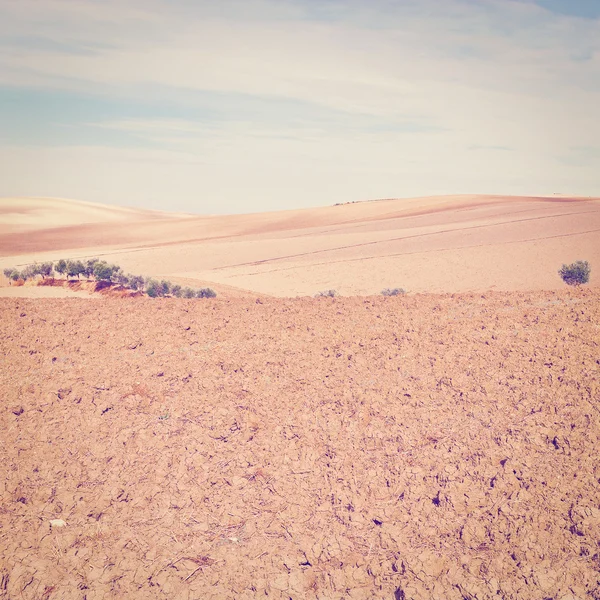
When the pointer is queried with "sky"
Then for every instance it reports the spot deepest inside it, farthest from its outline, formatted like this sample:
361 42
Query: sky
241 106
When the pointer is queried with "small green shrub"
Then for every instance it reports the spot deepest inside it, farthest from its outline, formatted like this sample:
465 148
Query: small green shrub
393 292
188 293
326 294
576 273
176 291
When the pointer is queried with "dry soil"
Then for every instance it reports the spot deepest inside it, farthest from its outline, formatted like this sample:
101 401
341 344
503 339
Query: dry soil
438 244
430 446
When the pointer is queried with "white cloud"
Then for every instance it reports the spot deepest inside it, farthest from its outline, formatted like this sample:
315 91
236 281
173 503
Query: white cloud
487 74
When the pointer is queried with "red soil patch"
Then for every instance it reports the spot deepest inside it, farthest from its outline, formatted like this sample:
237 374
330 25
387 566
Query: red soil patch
106 288
409 447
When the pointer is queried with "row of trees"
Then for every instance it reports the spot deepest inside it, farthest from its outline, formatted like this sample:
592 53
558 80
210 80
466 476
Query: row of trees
102 271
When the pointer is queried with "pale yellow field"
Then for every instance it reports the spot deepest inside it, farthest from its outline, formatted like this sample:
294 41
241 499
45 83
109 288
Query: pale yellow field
436 244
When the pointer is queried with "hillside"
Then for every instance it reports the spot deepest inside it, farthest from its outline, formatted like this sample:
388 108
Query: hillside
439 244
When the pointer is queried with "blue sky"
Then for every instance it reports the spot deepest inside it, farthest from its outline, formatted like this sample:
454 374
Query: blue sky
251 105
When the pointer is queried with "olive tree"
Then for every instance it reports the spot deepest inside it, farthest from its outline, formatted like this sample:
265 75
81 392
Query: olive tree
154 288
61 266
45 269
75 268
205 293
105 272
90 263
8 273
136 282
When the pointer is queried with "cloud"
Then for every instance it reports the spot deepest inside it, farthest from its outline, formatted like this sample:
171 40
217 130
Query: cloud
492 148
422 93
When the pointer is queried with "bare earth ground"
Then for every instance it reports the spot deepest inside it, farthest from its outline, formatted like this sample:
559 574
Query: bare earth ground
27 291
437 244
430 446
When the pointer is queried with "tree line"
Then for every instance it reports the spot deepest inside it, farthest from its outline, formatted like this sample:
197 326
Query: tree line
100 270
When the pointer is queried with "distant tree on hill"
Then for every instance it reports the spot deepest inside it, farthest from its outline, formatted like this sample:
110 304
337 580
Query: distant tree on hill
8 273
75 268
154 288
188 293
122 279
30 271
165 287
136 282
176 291
206 293
576 273
105 272
45 269
61 266
90 263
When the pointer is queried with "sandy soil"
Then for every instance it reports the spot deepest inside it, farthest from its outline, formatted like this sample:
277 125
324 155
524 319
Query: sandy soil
28 291
33 214
414 447
438 244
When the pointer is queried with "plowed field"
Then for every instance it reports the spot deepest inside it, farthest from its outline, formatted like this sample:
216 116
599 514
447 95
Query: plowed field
428 446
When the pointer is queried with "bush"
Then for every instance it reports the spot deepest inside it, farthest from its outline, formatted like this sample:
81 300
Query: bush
326 294
61 266
188 293
176 291
8 273
576 273
15 275
393 292
206 293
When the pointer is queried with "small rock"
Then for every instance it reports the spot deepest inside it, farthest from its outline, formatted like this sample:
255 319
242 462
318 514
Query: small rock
57 523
